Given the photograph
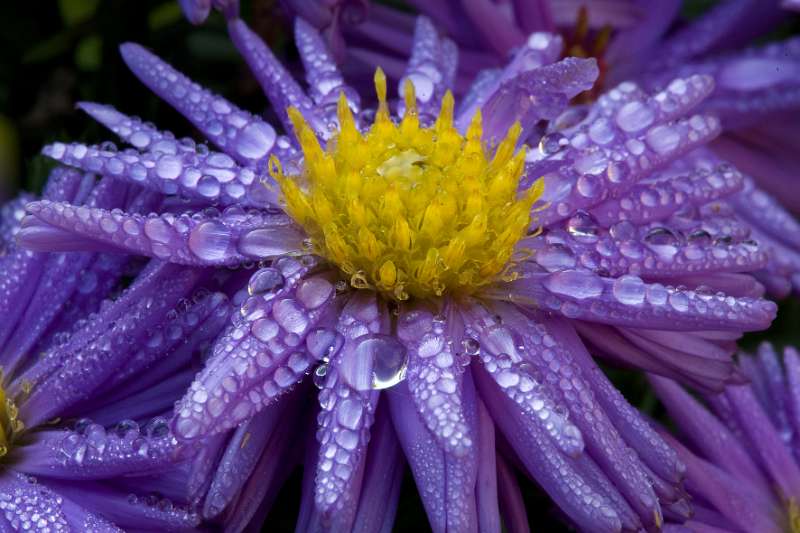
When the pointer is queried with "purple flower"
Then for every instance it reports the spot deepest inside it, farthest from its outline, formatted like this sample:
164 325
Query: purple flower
85 443
756 90
741 448
425 255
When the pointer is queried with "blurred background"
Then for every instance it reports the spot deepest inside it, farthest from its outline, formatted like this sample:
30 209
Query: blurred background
54 53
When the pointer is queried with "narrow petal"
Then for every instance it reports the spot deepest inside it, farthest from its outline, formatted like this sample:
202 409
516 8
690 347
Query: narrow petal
550 86
563 482
104 345
211 177
279 86
628 301
425 70
242 453
650 202
95 453
23 501
648 132
435 376
446 483
775 456
346 415
707 433
262 355
197 239
498 349
244 136
486 488
383 474
324 79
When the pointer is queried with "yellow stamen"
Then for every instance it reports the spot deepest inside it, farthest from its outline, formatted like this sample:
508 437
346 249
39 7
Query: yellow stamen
793 517
10 424
410 210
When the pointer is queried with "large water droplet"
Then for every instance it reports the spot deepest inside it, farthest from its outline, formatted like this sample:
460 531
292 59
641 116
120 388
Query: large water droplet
376 362
323 343
575 283
270 242
265 280
592 163
349 413
320 374
552 143
168 167
634 116
255 140
583 227
663 139
211 241
629 290
556 257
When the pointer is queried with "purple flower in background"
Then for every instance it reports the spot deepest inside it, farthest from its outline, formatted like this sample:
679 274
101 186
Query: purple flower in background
85 443
426 254
741 450
756 93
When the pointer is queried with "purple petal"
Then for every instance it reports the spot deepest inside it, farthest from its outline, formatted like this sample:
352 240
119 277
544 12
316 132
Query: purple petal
279 86
324 79
346 415
435 376
628 301
102 347
383 474
445 483
244 136
262 355
228 239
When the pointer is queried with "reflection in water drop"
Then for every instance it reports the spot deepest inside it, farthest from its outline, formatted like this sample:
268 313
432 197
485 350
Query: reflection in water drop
377 362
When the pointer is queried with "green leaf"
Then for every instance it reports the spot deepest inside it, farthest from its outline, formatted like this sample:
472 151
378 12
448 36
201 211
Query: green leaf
47 49
76 11
164 15
89 53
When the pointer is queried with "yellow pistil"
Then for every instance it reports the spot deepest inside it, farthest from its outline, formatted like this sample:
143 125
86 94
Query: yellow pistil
410 210
10 424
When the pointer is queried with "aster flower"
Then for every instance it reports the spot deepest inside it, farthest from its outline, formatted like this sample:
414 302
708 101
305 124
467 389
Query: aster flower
85 443
741 447
419 254
756 95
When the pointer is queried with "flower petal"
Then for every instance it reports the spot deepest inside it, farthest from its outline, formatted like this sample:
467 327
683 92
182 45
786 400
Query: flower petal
242 135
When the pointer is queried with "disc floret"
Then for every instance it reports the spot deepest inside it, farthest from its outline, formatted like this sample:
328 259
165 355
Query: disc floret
410 210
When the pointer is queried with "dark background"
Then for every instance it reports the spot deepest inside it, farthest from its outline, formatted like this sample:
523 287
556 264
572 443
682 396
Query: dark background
55 53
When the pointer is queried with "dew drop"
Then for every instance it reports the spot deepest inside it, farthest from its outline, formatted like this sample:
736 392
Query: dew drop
376 362
629 290
583 227
211 241
265 280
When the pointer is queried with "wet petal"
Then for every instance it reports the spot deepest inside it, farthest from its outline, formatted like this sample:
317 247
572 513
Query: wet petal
628 301
346 415
239 133
261 355
197 239
279 86
435 376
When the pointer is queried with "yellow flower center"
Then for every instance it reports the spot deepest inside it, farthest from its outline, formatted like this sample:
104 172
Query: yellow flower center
793 513
410 210
10 424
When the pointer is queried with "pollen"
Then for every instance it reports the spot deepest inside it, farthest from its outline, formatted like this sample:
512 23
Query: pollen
10 424
407 210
